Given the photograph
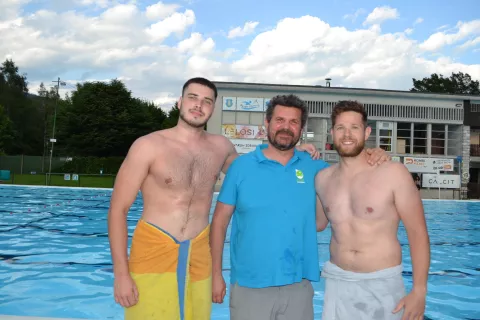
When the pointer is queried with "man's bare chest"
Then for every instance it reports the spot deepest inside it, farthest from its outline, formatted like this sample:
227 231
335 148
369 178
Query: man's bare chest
359 198
188 169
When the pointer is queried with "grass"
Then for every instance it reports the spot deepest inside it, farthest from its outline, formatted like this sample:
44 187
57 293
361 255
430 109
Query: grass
84 180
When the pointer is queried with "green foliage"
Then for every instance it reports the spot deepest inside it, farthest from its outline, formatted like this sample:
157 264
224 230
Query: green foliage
23 111
172 118
103 120
6 131
457 83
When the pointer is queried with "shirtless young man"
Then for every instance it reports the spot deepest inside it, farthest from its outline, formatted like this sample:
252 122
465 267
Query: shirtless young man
168 274
365 205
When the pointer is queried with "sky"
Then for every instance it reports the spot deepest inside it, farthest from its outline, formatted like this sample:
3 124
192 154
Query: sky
154 47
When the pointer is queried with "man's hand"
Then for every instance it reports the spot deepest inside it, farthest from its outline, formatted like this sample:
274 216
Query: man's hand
414 305
219 288
126 292
311 149
377 156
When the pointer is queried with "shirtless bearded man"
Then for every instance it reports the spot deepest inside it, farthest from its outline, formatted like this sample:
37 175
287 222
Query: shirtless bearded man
168 274
365 205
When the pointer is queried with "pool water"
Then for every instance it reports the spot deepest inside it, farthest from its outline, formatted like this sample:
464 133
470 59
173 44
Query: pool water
55 258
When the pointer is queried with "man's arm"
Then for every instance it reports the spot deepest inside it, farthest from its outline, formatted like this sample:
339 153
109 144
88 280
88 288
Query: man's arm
226 203
130 177
218 229
377 156
310 148
231 155
410 208
321 218
322 221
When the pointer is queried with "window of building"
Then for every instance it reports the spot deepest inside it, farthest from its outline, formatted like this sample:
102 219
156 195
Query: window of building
438 139
404 137
475 143
315 132
420 138
329 141
385 135
372 139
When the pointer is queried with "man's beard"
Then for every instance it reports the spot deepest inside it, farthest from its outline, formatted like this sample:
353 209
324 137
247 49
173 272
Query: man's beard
282 146
191 123
352 152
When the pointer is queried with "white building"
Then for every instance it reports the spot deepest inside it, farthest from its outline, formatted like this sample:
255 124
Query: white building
424 131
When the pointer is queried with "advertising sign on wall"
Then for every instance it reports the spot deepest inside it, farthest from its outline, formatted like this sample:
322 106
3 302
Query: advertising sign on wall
443 181
239 131
229 103
250 104
442 164
245 145
427 165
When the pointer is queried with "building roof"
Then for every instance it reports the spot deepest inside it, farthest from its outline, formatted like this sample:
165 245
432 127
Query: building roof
340 90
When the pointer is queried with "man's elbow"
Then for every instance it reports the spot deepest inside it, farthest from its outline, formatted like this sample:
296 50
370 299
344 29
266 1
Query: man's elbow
321 226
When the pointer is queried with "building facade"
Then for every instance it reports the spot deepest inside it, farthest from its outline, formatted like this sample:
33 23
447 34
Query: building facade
427 132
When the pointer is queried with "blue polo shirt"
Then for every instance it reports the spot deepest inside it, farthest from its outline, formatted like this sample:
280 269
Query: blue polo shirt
273 240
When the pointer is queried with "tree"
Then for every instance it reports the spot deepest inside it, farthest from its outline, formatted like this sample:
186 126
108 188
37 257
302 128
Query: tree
6 130
103 119
22 110
172 118
457 83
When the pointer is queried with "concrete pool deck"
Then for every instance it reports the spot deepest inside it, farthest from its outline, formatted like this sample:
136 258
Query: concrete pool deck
5 317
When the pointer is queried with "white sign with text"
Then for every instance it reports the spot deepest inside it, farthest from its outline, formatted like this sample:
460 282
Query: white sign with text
427 165
443 181
245 145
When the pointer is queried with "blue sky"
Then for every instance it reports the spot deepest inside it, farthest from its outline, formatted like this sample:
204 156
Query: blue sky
155 46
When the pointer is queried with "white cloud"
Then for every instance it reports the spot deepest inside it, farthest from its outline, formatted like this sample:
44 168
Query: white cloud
440 39
176 23
96 3
381 14
197 44
247 29
353 16
161 10
418 21
154 50
361 58
470 43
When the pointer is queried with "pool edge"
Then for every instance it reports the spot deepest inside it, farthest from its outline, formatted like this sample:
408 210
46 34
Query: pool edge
9 317
59 187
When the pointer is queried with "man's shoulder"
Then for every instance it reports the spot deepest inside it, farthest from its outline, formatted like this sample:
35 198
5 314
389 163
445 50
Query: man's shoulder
244 159
392 166
146 142
326 172
220 142
307 160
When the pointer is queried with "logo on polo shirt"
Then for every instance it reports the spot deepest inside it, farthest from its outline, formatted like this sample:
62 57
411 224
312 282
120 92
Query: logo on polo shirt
299 175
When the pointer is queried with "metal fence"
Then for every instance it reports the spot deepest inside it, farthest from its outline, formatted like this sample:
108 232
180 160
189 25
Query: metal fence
29 164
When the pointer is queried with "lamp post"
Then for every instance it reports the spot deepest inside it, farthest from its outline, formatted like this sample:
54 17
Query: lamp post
53 140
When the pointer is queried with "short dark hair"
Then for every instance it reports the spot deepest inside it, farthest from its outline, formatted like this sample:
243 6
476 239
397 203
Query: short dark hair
349 105
290 100
202 81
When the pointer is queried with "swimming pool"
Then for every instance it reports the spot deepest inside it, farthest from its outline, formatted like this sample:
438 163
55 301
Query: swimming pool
55 260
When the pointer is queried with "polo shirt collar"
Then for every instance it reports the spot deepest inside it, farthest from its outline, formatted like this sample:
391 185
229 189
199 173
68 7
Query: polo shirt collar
260 156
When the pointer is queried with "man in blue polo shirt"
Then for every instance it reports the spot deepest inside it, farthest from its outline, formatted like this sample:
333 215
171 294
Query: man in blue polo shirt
273 243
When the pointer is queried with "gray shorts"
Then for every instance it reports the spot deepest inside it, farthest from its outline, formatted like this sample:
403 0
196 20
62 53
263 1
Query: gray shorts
362 296
290 302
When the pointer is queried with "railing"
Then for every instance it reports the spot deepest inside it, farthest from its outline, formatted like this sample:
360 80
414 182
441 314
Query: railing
62 180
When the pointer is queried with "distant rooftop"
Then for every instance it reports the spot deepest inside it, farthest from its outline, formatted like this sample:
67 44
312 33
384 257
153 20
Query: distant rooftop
326 89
